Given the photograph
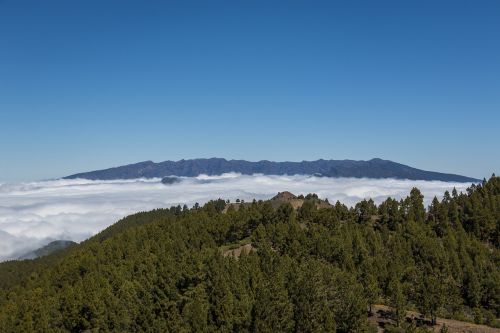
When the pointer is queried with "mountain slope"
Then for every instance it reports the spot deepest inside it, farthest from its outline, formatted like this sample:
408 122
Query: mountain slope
374 168
50 248
306 270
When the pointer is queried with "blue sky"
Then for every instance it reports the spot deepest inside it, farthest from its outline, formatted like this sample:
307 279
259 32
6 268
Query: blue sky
93 84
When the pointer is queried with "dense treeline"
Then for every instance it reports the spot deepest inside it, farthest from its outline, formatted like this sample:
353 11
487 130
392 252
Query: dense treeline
310 270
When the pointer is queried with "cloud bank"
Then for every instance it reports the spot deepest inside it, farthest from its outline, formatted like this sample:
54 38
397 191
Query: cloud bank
33 214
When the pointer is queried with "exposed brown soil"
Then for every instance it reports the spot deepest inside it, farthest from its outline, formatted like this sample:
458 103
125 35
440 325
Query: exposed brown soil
380 318
284 196
292 199
279 199
236 253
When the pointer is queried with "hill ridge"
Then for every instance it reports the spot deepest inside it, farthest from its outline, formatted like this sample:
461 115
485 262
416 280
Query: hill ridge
373 168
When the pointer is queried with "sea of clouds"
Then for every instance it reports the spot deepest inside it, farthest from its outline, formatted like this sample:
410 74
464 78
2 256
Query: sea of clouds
33 214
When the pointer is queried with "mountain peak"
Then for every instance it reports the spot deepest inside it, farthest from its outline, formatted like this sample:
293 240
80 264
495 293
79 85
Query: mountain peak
284 196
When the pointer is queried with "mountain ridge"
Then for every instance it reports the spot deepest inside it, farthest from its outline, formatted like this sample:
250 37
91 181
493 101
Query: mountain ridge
54 246
374 168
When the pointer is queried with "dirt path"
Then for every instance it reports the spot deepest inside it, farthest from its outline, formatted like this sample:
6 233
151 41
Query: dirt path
454 326
236 253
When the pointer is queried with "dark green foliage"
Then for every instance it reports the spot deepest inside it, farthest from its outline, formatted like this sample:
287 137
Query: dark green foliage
311 270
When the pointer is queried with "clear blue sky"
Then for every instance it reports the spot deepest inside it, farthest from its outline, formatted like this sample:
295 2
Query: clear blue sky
93 84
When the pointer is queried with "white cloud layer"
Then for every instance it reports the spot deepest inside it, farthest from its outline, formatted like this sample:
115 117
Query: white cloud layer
33 214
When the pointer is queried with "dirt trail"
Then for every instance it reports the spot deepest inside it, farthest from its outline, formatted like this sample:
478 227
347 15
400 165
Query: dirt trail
236 253
454 326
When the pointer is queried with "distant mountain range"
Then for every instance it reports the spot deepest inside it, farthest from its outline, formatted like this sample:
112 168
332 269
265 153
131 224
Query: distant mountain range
374 168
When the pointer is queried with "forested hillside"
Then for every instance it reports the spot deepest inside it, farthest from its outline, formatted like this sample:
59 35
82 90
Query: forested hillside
307 270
